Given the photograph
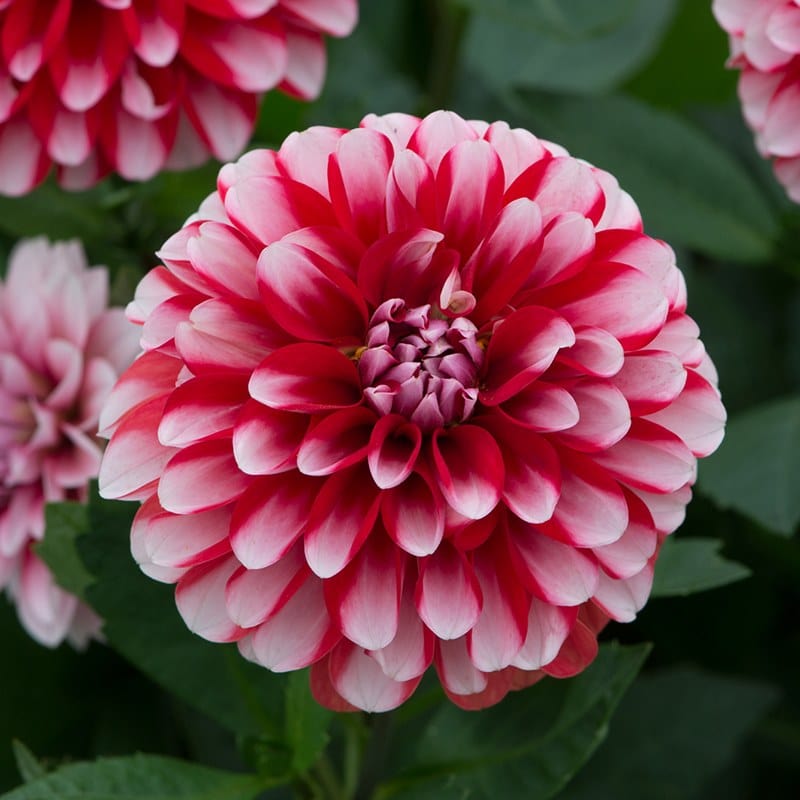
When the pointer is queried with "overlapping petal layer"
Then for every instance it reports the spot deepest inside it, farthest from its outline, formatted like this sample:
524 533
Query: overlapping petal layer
765 46
61 350
133 86
418 394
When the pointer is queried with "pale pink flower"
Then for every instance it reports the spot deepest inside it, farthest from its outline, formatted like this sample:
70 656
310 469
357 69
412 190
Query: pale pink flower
134 86
416 393
61 350
765 43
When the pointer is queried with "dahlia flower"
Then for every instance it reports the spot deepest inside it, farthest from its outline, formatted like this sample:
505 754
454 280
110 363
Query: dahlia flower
61 350
134 86
765 43
420 393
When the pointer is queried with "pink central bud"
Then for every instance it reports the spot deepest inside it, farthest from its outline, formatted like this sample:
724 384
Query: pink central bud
420 365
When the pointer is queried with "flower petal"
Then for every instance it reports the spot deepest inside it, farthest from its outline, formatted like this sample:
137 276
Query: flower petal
469 466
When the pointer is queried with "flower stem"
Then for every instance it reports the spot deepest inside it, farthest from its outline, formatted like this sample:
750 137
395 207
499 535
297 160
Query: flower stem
449 25
375 754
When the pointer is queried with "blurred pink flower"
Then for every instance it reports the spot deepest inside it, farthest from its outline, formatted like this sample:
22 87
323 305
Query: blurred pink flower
416 393
61 350
765 43
135 86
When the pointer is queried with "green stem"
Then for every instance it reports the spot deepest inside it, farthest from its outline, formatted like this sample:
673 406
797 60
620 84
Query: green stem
375 756
328 777
352 758
449 25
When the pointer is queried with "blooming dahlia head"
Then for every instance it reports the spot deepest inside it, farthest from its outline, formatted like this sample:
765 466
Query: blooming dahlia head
138 85
61 350
765 44
416 393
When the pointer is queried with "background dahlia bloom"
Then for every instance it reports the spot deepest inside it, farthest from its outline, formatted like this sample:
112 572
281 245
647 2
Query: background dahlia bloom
765 43
138 85
420 393
61 350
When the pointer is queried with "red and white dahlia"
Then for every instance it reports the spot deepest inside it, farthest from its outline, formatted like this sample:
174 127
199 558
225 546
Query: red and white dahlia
134 86
765 45
61 350
416 393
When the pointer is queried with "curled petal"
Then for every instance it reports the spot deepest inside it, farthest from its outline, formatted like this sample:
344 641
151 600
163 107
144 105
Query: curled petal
469 466
306 377
393 449
522 347
338 441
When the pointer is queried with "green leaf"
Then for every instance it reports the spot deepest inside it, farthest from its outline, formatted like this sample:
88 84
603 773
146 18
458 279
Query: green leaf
691 191
581 46
686 566
755 470
142 623
64 523
28 765
529 745
307 722
139 777
673 731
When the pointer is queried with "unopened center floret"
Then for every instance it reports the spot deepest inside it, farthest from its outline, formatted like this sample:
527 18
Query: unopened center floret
419 365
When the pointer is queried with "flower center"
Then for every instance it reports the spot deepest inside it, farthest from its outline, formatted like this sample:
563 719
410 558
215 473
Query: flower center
420 366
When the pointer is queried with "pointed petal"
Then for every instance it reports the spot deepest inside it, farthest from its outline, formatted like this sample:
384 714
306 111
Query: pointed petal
201 408
172 540
410 653
521 348
201 477
697 416
265 441
577 652
357 175
341 518
650 458
299 634
309 297
499 632
414 516
364 598
504 259
200 597
448 595
604 416
336 442
254 595
269 518
134 458
555 572
469 466
591 510
548 628
306 377
359 679
631 552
